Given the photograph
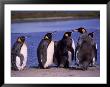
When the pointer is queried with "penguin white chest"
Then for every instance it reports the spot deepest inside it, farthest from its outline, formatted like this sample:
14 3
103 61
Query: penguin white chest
23 51
69 57
77 60
73 44
50 52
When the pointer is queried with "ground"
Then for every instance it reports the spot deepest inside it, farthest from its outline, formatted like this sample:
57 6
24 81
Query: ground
57 72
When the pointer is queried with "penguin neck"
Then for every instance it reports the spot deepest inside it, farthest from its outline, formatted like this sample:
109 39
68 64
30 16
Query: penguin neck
85 33
48 40
21 45
66 37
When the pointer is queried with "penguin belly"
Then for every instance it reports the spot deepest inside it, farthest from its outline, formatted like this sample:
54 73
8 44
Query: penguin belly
94 58
69 57
23 51
50 53
77 60
93 63
73 44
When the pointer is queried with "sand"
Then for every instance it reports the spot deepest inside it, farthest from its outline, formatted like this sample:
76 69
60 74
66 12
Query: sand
57 72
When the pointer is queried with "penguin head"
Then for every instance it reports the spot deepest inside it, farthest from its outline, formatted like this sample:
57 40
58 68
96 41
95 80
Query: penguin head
67 34
48 36
91 34
21 39
80 30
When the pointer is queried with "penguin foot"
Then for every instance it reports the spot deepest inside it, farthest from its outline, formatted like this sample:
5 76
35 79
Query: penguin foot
46 67
66 66
84 68
15 69
76 64
61 66
92 65
40 67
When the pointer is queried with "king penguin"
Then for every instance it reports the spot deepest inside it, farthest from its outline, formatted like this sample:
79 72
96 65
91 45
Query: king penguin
45 51
93 62
84 51
83 33
70 46
64 51
19 54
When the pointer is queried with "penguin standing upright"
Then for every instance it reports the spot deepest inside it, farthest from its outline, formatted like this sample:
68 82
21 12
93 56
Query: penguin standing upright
70 46
84 52
19 54
83 34
64 52
93 62
45 51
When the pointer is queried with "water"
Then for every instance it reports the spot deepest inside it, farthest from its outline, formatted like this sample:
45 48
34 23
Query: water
34 32
54 25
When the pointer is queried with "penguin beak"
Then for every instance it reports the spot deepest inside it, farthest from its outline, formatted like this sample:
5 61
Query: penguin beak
75 30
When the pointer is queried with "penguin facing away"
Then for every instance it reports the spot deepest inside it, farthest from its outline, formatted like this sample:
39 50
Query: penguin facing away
19 54
45 51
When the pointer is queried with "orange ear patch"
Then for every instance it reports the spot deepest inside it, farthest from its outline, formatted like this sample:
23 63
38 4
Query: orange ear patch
83 30
19 40
46 37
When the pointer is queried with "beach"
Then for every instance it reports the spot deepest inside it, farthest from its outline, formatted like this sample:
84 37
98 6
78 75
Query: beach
57 72
35 24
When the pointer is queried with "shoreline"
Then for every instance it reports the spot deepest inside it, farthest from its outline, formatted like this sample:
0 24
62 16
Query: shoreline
49 19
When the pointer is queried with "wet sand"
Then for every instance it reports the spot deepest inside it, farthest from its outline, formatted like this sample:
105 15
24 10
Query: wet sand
57 72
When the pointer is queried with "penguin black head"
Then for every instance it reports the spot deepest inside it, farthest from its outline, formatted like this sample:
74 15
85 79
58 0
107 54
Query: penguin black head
67 34
91 34
21 39
80 30
48 36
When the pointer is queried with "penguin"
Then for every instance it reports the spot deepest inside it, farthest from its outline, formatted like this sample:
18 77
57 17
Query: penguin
64 52
19 54
45 51
84 52
70 46
83 33
93 62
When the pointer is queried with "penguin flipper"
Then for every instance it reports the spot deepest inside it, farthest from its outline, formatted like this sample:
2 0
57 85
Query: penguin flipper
55 61
21 59
42 53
